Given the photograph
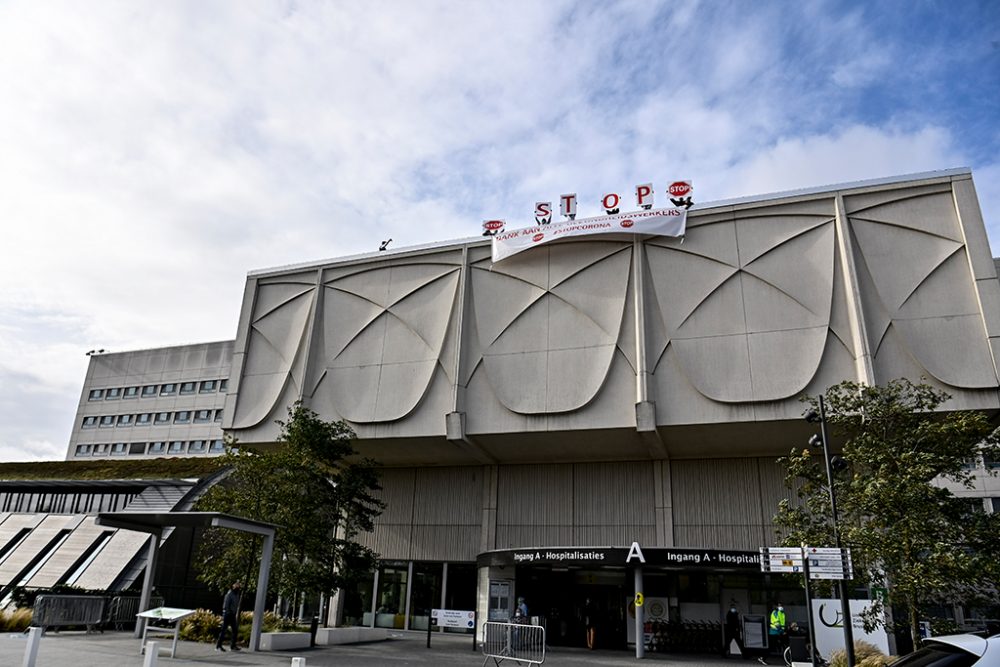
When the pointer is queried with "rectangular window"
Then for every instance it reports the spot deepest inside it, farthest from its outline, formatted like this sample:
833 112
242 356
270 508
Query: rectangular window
131 392
218 415
223 385
207 386
202 416
990 462
182 417
149 390
188 387
218 446
168 389
107 420
83 450
162 418
143 419
137 448
157 447
113 394
995 502
176 447
95 395
125 420
119 449
89 422
197 446
100 450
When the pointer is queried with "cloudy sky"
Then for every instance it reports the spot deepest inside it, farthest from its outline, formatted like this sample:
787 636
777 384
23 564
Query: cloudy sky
152 153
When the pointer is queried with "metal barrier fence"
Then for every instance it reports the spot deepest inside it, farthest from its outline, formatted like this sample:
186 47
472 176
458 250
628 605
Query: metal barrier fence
516 642
65 610
122 609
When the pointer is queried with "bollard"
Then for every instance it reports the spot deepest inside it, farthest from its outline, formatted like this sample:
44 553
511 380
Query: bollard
298 662
152 654
31 650
313 629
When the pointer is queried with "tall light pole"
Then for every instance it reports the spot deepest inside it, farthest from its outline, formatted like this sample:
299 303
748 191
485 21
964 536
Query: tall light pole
845 604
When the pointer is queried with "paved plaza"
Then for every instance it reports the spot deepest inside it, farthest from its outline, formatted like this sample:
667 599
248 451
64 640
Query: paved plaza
116 649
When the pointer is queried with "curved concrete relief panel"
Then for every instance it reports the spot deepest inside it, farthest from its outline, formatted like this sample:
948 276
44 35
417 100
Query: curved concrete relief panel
277 330
548 324
918 273
753 330
383 332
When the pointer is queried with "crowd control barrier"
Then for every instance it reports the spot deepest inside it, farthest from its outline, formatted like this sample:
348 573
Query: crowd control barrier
66 610
121 610
516 642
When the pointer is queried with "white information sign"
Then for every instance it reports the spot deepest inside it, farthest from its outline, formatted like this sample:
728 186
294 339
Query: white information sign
829 624
453 618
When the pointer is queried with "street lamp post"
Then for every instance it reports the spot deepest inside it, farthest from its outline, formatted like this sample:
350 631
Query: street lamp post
845 603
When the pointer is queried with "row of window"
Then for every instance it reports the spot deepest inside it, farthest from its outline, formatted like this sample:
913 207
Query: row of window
151 390
158 447
988 462
154 418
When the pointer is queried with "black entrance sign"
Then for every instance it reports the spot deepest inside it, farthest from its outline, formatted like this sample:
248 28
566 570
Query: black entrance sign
618 556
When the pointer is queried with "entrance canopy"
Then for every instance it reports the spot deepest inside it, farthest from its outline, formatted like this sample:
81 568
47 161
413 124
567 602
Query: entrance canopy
154 523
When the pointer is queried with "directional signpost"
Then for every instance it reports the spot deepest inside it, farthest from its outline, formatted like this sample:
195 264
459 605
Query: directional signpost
781 559
828 563
823 562
814 563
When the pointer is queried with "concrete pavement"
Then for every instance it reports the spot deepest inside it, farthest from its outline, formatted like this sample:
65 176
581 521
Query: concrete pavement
116 649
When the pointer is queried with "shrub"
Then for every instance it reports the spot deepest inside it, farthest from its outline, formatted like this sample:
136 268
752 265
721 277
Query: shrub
865 655
201 626
15 621
204 626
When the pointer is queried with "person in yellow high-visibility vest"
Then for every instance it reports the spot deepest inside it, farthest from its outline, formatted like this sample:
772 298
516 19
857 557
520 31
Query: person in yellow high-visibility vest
777 629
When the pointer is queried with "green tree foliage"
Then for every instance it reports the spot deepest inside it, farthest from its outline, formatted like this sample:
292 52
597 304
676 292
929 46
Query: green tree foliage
907 532
319 500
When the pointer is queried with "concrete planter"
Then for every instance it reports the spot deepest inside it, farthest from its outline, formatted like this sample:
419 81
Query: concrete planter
283 641
332 636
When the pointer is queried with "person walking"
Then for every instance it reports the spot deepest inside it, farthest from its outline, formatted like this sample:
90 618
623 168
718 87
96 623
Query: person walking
590 622
230 617
733 631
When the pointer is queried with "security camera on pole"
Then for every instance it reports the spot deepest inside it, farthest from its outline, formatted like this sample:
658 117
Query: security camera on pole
812 417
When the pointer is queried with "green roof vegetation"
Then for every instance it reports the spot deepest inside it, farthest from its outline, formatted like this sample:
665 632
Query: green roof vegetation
165 468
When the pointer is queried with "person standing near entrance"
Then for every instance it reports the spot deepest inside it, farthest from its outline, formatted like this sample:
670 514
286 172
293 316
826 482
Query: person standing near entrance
590 622
230 617
733 631
522 607
776 628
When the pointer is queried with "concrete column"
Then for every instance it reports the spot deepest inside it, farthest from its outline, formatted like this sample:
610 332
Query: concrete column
262 578
147 582
640 618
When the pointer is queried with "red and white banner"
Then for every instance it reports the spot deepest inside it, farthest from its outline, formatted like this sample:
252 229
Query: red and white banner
661 221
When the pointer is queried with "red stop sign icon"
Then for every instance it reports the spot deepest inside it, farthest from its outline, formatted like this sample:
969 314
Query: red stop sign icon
537 237
679 188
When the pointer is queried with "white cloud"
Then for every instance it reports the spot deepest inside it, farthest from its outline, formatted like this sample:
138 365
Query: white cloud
854 153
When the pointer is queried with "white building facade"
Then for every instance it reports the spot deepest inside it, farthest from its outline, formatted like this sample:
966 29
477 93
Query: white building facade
150 403
602 391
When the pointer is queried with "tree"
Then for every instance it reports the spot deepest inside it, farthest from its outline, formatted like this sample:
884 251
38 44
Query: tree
318 499
908 534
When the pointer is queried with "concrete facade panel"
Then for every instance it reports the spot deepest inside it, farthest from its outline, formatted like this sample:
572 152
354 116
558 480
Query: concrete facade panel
717 366
762 301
